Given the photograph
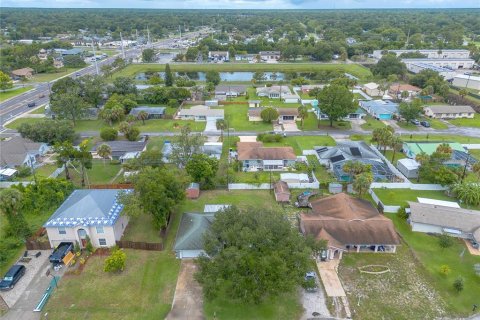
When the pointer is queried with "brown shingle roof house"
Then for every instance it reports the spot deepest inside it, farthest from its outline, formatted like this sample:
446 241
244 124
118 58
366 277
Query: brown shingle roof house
349 224
282 192
254 156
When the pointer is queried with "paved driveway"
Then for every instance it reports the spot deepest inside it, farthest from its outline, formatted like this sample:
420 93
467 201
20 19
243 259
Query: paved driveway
27 294
188 299
211 125
290 126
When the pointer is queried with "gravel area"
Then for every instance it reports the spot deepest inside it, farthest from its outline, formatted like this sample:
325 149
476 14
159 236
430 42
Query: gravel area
33 268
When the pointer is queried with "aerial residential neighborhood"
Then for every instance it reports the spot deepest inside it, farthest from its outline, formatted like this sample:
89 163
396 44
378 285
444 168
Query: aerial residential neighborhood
239 160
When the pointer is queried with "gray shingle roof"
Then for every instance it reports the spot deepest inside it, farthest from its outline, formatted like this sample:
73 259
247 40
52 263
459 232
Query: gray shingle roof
461 219
191 230
88 208
119 148
14 150
149 110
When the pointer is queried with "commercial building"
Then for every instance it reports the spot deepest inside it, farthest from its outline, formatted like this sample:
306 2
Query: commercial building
429 53
466 81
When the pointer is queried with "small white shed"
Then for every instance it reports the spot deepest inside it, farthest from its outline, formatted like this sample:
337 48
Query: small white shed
408 167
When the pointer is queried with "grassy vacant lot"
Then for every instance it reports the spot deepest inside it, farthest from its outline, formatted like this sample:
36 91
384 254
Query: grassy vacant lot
153 125
371 123
142 229
355 69
47 77
424 137
311 124
475 122
4 95
237 115
400 197
99 174
300 143
431 256
286 306
402 293
146 287
256 177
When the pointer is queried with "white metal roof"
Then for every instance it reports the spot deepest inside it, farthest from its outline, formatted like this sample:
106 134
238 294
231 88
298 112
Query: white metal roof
7 172
450 204
410 164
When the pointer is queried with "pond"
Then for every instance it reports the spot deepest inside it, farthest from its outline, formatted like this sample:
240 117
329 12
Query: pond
225 76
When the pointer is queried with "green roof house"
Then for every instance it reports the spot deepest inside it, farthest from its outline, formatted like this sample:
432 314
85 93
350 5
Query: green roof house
189 241
411 149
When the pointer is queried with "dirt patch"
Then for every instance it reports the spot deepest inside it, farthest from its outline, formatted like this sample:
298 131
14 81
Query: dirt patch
403 293
188 299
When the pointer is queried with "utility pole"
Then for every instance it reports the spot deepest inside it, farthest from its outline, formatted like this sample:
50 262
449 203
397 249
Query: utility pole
121 42
465 167
95 57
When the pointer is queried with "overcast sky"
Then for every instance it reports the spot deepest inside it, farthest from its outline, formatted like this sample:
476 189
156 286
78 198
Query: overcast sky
243 4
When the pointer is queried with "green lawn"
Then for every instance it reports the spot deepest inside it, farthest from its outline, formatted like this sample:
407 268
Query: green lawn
475 122
407 125
432 256
4 95
300 143
40 110
47 77
398 155
399 197
434 124
372 123
255 177
475 153
403 293
311 124
146 287
237 116
153 125
286 306
468 97
142 229
423 137
355 69
101 173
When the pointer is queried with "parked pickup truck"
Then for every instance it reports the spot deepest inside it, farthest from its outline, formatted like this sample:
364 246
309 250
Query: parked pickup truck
60 252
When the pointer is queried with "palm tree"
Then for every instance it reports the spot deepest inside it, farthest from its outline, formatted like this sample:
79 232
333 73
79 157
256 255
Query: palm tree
467 192
303 113
423 159
221 125
396 144
142 115
65 153
362 182
463 92
104 151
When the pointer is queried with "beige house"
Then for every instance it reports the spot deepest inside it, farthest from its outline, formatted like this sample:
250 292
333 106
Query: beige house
26 73
373 89
449 112
95 214
285 115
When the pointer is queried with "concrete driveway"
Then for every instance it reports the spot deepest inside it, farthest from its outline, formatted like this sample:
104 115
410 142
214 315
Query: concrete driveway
188 299
211 126
290 127
29 290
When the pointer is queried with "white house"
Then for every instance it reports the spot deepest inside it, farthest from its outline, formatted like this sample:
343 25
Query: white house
273 92
290 98
449 112
219 56
372 89
200 113
441 219
269 56
429 53
94 213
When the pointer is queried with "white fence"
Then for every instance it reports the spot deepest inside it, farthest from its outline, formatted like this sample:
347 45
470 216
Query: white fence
411 186
8 184
406 185
57 172
472 146
248 186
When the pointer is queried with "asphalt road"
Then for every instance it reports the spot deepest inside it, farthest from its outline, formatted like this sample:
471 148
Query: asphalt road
18 105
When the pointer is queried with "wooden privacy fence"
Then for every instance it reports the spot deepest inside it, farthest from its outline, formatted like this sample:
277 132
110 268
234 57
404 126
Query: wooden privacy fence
140 245
37 245
111 186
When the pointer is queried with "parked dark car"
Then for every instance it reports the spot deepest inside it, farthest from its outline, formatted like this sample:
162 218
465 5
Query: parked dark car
31 104
60 252
12 276
475 244
426 124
